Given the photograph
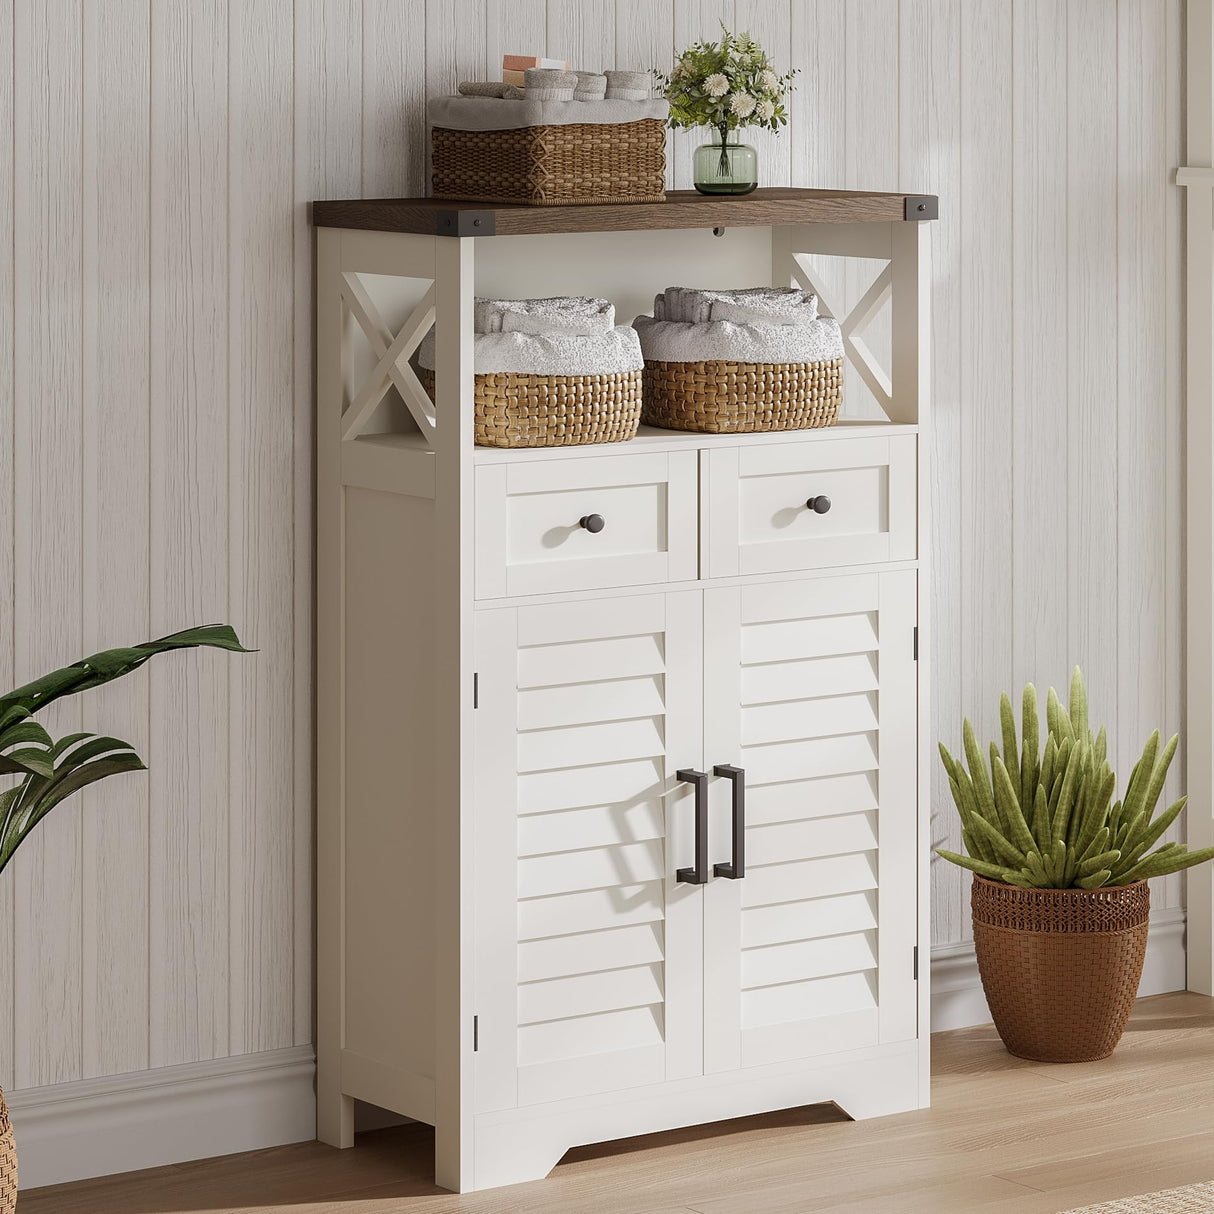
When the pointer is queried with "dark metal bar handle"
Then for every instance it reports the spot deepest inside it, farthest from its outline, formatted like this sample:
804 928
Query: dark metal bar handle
737 777
699 874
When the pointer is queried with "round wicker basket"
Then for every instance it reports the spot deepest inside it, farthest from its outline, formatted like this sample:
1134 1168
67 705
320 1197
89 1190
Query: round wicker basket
511 410
722 397
8 1162
1060 967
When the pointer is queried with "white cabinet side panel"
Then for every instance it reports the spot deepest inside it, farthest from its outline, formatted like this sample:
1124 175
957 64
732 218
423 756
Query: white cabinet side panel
389 771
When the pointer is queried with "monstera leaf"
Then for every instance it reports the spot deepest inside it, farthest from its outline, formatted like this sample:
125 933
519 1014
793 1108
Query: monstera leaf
51 770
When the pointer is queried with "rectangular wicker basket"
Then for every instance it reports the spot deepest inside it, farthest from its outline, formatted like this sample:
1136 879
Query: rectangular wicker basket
511 410
552 166
720 397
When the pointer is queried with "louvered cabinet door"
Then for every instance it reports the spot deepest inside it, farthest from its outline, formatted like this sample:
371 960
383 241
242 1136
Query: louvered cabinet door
589 952
810 688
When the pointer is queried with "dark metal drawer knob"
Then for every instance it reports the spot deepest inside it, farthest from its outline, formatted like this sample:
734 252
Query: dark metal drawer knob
594 522
819 504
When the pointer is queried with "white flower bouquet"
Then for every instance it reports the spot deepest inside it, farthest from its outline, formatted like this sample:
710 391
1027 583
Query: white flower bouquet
726 85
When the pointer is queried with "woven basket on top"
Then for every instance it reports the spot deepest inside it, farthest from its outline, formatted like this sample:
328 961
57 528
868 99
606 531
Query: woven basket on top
8 1162
1060 967
552 166
511 410
722 397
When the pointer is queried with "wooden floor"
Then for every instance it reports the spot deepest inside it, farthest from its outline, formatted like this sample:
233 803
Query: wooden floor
1002 1136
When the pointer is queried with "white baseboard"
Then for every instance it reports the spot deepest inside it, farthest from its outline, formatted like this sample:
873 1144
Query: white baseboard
97 1127
958 1001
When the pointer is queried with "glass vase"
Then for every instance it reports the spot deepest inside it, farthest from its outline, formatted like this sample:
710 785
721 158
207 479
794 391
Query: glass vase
726 166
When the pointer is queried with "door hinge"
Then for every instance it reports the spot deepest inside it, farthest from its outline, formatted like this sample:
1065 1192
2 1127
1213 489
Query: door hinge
476 1033
916 963
916 644
476 689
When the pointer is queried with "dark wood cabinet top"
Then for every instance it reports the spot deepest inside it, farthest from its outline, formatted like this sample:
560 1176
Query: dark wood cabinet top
682 209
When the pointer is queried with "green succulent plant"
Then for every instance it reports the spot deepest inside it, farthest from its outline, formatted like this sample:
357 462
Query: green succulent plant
52 770
1047 820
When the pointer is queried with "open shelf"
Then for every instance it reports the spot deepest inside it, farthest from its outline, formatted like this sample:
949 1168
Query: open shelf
682 209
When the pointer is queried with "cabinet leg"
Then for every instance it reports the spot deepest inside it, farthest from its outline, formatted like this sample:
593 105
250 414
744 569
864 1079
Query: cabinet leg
334 1113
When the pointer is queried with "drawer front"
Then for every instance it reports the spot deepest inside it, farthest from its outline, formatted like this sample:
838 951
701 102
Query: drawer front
530 538
757 519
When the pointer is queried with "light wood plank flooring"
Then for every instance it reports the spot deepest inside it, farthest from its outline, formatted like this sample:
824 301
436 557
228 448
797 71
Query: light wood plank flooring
1003 1136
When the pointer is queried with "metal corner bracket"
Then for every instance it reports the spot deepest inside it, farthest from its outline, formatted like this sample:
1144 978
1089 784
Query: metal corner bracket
921 206
465 223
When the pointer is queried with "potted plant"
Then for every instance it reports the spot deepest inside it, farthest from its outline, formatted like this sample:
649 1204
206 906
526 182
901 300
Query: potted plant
49 771
726 85
1060 896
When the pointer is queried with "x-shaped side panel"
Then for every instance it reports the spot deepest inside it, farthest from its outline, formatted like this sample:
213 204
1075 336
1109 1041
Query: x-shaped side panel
393 354
851 326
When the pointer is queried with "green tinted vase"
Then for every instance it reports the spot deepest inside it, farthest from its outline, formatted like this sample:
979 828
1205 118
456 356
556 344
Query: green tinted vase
726 166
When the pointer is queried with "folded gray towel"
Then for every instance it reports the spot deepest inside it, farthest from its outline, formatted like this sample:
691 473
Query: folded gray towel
482 88
608 353
681 342
754 312
569 313
775 305
571 323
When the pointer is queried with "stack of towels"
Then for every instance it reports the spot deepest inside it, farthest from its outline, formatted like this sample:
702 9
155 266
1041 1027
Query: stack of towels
558 336
751 325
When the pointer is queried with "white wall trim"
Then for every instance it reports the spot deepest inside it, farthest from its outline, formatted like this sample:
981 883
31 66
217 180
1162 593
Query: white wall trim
958 1001
96 1127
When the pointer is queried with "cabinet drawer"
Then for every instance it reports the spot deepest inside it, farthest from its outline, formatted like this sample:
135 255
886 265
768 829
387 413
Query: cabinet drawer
756 516
529 533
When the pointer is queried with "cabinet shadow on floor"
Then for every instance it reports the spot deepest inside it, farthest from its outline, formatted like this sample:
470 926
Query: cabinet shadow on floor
805 1115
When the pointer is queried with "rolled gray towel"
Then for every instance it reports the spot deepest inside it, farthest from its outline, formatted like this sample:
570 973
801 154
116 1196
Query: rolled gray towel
627 86
549 84
591 86
482 88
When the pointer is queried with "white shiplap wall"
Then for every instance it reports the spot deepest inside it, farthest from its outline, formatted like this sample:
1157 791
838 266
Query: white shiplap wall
156 157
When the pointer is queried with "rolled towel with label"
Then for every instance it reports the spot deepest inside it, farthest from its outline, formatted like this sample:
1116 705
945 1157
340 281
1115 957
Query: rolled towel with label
591 86
548 84
627 86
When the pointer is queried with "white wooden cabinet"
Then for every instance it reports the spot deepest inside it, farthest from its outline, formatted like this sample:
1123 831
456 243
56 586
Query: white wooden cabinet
626 829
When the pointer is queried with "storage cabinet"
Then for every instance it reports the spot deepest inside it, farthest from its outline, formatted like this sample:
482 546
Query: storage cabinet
623 822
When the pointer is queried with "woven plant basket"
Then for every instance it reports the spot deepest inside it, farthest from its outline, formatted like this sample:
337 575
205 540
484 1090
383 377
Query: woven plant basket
552 166
742 398
1060 967
512 410
8 1162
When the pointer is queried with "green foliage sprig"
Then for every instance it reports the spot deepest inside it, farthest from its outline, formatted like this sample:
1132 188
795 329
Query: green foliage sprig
726 84
1044 820
52 770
